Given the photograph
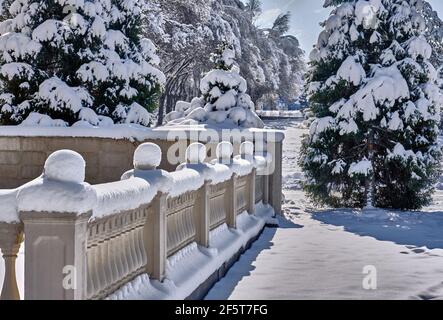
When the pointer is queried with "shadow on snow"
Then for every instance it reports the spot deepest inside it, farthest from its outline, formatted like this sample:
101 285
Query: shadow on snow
418 229
244 266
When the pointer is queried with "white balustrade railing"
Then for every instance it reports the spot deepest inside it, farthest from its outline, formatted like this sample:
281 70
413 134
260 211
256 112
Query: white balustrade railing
86 246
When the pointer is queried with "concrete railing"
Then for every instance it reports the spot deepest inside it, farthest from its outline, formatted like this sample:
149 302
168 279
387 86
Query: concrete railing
86 241
108 151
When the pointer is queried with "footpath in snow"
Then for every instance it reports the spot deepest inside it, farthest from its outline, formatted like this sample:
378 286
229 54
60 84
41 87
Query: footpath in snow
321 254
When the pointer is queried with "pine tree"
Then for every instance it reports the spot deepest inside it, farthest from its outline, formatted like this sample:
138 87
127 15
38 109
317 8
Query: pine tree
59 60
223 97
131 83
375 97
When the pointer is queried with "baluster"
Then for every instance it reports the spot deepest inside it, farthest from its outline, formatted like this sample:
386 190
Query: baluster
91 288
118 249
112 253
133 263
11 237
250 187
100 263
106 258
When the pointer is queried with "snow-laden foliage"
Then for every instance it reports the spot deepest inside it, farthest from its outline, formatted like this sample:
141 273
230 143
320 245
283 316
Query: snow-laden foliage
187 31
434 34
76 61
376 98
223 101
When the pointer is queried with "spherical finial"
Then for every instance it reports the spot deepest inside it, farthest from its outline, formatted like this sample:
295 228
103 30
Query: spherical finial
65 166
247 149
224 151
196 153
147 156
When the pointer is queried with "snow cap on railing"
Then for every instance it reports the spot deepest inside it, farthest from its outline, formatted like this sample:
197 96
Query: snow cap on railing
147 156
65 166
61 188
224 152
247 150
196 153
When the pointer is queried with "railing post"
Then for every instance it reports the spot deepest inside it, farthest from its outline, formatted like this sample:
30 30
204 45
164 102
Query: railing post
55 259
56 229
202 215
251 192
155 234
275 178
265 188
231 201
11 236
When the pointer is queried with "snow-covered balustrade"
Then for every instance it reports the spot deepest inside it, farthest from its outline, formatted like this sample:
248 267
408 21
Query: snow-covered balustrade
88 241
108 150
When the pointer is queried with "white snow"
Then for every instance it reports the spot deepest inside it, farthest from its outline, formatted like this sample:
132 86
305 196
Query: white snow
351 71
418 46
215 173
35 120
147 156
160 179
59 95
224 152
321 254
134 132
247 150
65 166
241 167
121 196
138 115
223 101
363 167
45 195
8 206
185 180
17 70
196 153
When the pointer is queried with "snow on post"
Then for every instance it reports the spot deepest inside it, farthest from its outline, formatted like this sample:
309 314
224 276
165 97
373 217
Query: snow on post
61 188
247 150
224 152
196 153
147 156
65 166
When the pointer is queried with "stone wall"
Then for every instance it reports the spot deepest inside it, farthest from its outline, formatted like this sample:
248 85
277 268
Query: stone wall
22 158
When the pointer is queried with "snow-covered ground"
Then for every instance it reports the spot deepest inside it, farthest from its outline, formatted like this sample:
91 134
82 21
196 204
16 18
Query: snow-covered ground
321 254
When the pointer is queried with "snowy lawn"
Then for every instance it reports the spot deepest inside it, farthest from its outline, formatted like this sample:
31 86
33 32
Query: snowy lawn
321 254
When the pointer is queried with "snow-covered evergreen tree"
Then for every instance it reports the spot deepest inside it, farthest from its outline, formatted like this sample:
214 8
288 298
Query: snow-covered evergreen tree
75 60
223 99
375 96
123 75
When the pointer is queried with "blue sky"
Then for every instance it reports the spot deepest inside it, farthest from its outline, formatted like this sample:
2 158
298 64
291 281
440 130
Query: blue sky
306 15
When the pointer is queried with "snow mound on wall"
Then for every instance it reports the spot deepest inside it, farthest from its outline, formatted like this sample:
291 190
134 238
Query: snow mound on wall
196 153
185 180
43 195
215 173
8 206
147 156
161 179
65 166
121 196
